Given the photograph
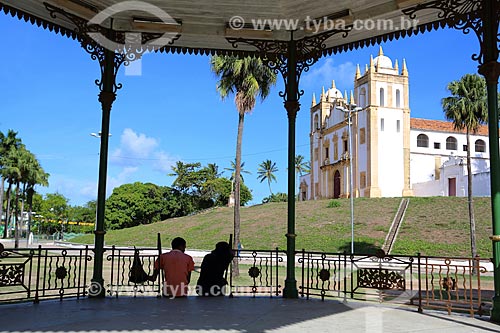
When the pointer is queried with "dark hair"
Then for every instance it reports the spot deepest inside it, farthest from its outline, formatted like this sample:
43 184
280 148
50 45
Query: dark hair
224 252
178 242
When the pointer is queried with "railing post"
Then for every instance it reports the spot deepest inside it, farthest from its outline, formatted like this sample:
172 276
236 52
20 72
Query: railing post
476 262
112 270
345 276
277 272
160 276
419 285
302 283
37 286
351 256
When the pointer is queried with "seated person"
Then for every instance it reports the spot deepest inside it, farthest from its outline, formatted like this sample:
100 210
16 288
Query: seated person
212 281
177 267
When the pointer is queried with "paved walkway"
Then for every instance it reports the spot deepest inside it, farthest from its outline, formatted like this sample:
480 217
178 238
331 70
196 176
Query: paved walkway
239 314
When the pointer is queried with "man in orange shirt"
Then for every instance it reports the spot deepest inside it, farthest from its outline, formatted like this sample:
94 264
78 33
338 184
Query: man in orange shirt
177 267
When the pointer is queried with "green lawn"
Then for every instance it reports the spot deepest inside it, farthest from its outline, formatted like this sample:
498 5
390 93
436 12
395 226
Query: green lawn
432 226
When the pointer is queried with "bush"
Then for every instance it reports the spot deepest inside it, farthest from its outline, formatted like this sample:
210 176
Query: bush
333 204
277 197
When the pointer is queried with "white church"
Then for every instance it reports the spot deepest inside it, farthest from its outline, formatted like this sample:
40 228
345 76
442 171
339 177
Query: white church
393 155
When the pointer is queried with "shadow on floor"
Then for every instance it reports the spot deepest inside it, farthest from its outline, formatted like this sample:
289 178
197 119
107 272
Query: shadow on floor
239 314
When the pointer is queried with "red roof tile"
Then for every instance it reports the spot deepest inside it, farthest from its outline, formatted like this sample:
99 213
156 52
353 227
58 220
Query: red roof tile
441 126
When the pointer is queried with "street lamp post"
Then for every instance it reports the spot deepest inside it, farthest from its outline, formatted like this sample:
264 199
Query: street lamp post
351 108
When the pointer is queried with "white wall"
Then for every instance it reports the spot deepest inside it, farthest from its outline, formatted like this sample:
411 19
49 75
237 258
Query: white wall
422 159
390 153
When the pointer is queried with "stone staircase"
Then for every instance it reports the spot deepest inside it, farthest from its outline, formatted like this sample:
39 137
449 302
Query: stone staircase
396 223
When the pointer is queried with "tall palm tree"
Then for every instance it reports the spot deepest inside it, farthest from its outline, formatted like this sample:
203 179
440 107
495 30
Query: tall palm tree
12 174
466 108
6 143
232 169
266 171
246 78
34 175
300 169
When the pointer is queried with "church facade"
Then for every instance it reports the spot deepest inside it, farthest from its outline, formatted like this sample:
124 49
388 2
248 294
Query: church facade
392 155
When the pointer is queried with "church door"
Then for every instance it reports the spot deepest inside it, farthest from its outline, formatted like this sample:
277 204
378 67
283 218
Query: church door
452 187
336 185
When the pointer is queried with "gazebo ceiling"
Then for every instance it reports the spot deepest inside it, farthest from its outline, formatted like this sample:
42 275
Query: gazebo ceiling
204 26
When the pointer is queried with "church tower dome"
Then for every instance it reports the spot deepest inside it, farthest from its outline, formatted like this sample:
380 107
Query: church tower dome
382 61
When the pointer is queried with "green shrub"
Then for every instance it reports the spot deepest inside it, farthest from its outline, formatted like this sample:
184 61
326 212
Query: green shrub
333 204
276 197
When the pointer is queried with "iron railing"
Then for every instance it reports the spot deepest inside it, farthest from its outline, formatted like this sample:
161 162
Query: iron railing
450 284
119 263
259 273
43 273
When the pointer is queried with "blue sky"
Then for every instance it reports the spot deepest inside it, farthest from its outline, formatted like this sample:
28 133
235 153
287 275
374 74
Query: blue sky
172 111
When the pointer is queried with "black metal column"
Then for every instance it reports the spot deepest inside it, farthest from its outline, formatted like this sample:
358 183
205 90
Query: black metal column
490 69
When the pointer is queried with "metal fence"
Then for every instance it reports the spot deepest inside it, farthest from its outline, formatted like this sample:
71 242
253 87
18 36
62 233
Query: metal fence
259 272
43 273
450 284
118 267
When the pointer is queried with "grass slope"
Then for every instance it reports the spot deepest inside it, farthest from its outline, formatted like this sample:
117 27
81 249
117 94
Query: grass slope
432 226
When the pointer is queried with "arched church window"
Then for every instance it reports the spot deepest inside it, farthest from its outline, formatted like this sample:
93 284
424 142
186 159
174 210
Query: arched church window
362 98
382 97
451 143
316 122
423 141
398 98
480 146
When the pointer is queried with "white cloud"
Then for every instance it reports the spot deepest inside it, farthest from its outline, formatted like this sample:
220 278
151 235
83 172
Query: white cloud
133 148
122 178
164 162
79 191
343 74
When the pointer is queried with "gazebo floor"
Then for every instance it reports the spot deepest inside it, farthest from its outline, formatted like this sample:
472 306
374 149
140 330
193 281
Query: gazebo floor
239 314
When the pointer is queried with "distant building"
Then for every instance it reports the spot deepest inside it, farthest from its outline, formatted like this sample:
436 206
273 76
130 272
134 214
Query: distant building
393 155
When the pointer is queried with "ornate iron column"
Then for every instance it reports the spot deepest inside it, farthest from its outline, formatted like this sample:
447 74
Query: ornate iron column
490 69
291 58
292 106
111 49
481 16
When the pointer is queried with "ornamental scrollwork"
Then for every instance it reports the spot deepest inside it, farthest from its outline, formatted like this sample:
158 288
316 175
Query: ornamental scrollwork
61 272
97 40
254 272
324 275
11 275
378 278
462 15
275 54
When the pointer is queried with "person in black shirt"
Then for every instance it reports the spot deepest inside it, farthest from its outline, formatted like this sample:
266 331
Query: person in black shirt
211 281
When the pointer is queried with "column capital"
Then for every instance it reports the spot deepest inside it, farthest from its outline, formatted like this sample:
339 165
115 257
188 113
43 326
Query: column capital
292 107
106 98
491 71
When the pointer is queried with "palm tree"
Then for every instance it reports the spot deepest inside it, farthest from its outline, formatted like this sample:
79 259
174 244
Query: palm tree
246 78
12 174
300 168
183 172
466 108
232 169
34 175
266 171
6 143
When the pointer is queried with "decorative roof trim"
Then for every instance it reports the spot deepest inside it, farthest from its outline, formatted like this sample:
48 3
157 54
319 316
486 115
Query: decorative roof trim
372 41
34 20
53 27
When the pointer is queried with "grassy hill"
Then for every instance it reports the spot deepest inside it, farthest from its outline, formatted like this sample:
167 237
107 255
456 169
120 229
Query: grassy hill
432 226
